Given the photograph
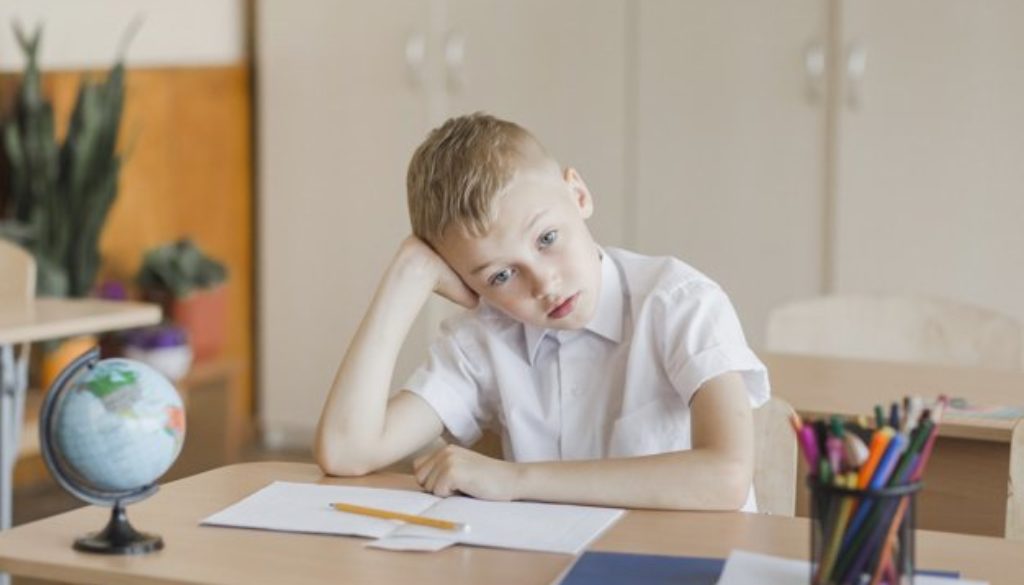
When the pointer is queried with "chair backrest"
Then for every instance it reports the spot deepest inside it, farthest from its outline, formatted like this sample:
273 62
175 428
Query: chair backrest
1015 485
775 455
19 274
904 328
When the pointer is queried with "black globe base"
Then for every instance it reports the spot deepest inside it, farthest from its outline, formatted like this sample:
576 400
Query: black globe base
119 537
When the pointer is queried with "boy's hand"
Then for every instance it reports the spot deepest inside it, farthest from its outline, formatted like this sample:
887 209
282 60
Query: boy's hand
445 281
453 469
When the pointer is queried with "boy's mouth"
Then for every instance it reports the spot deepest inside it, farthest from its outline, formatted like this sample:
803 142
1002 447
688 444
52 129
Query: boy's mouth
564 308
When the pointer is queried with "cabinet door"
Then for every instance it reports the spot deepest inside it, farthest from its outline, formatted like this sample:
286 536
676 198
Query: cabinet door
559 69
340 112
730 138
930 191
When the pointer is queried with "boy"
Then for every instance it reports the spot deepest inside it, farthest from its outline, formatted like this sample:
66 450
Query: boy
613 379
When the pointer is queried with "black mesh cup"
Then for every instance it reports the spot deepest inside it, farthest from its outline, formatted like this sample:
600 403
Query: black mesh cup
858 534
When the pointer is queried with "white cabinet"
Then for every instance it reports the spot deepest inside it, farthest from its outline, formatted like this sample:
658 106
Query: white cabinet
347 89
930 183
730 153
890 164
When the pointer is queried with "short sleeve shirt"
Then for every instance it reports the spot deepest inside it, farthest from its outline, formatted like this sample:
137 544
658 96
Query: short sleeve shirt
619 387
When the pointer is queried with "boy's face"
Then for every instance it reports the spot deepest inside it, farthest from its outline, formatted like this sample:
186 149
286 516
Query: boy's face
538 262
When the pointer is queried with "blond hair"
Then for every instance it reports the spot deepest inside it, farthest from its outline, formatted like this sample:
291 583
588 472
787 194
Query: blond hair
461 168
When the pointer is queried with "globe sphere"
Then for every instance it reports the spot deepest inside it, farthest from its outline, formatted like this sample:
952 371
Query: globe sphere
119 427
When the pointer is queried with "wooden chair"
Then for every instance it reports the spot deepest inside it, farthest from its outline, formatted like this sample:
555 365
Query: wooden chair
17 288
906 328
775 455
1015 485
18 285
910 329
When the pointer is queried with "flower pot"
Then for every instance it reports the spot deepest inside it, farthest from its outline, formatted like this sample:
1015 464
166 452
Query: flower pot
54 360
164 347
203 315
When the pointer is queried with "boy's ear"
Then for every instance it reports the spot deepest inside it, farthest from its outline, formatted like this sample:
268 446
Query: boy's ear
580 193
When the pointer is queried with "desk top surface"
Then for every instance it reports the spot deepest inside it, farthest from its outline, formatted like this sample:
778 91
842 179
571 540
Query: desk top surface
817 386
49 318
214 555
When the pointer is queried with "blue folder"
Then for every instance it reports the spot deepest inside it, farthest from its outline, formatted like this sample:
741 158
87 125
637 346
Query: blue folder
607 568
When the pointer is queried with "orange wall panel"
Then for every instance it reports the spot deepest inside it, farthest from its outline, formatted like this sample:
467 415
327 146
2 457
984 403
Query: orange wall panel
187 140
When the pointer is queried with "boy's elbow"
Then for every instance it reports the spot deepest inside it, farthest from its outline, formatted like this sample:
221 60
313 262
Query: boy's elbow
336 457
737 478
726 492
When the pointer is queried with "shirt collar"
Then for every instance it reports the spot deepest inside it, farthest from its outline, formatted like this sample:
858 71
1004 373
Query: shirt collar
607 320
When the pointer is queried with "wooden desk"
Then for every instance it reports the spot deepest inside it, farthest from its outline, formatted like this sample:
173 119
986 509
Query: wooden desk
40 319
967 484
213 555
51 318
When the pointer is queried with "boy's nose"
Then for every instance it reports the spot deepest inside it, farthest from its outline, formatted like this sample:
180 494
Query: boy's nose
545 284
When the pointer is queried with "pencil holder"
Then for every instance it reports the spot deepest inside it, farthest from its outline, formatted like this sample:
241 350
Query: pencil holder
862 536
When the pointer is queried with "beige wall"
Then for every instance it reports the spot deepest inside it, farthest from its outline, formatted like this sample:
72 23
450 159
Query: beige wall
85 33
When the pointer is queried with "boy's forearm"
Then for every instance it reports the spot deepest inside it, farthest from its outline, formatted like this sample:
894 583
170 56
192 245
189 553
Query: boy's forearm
355 412
684 480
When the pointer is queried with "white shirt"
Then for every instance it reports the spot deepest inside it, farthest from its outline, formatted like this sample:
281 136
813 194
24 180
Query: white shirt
619 387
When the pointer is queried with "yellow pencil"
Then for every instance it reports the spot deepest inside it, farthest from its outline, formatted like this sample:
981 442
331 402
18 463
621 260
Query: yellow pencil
411 519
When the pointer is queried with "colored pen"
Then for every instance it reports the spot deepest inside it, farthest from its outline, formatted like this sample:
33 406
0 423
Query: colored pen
939 408
809 445
926 452
879 442
831 552
855 449
907 463
821 434
824 471
862 421
795 422
914 413
834 445
888 462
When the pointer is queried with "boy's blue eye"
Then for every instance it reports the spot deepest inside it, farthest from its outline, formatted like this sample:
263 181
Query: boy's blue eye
501 277
548 238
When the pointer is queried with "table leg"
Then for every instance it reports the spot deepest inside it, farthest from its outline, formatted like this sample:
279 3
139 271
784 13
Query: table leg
12 390
8 435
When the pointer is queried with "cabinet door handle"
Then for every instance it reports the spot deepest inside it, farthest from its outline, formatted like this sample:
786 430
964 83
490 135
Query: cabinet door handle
856 68
416 58
814 69
455 60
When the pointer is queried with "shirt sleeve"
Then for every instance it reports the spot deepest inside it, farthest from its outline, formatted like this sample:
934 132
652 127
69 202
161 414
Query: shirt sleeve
702 338
450 382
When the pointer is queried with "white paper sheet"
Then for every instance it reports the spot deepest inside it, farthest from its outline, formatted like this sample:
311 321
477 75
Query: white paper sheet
742 568
411 543
299 507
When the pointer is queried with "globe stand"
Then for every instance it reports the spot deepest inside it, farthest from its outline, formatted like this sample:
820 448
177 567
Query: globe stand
119 537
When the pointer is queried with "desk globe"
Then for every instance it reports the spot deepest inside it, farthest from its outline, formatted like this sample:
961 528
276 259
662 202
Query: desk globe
108 429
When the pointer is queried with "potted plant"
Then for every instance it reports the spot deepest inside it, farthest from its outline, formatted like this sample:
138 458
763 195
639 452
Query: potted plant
190 286
61 193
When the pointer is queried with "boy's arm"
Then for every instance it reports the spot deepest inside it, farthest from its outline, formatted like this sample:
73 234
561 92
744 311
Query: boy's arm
360 429
714 475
